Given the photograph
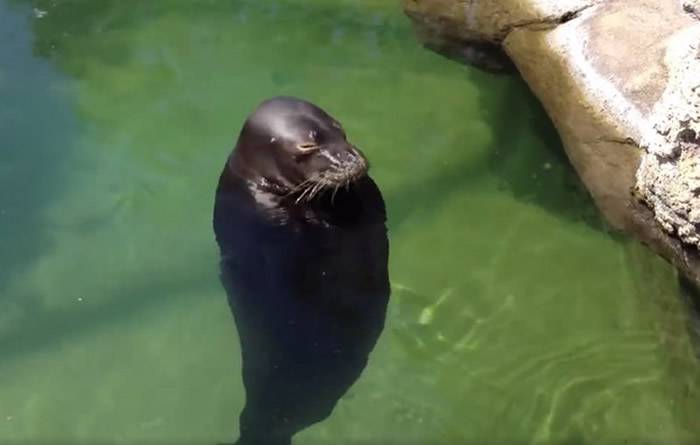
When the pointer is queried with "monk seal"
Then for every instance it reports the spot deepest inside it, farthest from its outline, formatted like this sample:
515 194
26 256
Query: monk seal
301 229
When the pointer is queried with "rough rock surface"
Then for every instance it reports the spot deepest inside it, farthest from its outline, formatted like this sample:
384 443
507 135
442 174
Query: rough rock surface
621 82
669 176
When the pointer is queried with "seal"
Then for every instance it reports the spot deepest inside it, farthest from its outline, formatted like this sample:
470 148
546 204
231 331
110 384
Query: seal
301 229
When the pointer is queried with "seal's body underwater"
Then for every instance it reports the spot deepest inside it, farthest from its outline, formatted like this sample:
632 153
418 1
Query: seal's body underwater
304 251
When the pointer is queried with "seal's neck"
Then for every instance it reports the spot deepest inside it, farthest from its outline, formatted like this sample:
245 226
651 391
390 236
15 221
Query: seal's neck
265 185
259 175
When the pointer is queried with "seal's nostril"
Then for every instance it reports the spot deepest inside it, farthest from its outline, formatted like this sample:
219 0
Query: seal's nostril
354 155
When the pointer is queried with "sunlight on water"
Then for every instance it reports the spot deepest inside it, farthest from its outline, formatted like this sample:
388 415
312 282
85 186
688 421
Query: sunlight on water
515 317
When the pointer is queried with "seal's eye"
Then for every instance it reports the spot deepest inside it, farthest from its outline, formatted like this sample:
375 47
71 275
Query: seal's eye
308 147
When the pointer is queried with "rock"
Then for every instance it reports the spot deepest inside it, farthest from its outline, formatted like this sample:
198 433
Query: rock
488 20
621 82
692 7
471 31
669 176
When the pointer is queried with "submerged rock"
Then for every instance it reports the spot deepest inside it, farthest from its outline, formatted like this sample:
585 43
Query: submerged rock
621 83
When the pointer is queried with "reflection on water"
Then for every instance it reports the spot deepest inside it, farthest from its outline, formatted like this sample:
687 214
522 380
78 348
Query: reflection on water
305 267
514 316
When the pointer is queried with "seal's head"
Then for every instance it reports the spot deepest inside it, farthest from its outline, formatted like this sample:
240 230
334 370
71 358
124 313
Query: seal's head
293 148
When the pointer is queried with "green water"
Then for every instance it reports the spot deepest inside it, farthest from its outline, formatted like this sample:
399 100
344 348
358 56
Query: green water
515 317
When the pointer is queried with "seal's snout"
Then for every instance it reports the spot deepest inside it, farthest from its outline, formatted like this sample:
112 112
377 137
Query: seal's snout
352 157
358 163
347 163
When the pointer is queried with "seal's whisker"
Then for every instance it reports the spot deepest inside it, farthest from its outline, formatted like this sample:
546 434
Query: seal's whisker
309 192
298 187
335 190
304 193
317 188
323 186
315 183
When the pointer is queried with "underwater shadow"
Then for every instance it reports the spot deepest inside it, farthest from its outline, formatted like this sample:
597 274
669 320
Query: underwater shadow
690 295
43 329
540 174
417 200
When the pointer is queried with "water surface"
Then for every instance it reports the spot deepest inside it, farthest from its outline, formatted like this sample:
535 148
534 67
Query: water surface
515 316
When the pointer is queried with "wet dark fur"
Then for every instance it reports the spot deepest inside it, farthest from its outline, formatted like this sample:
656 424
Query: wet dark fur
307 280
